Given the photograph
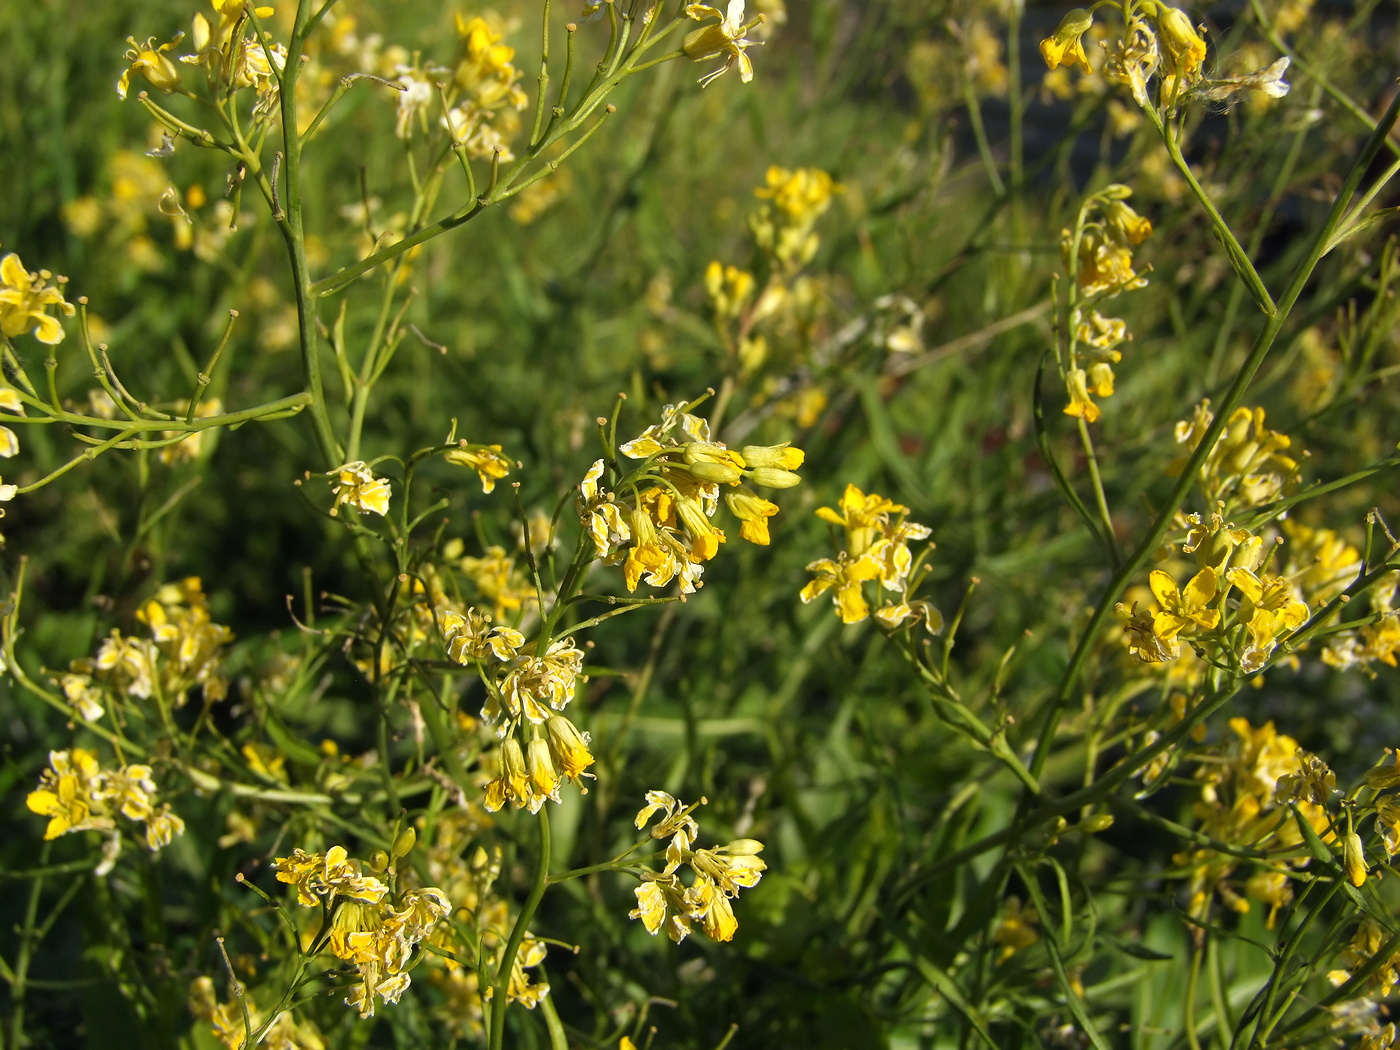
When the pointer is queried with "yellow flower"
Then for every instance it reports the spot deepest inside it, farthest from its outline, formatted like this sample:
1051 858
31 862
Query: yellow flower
800 195
1016 930
1273 593
725 37
862 517
65 793
24 297
1133 227
151 62
1181 608
1184 47
844 577
356 485
1105 263
1065 47
753 512
1080 404
568 747
486 460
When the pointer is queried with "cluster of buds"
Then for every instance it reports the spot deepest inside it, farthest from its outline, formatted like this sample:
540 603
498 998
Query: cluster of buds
1098 255
1158 41
185 650
876 548
784 226
664 901
1268 606
364 925
1247 467
77 794
656 520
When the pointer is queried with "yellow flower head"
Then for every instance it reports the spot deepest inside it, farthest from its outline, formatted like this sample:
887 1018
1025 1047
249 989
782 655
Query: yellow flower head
1184 47
862 517
1065 46
1181 608
800 195
356 485
1081 406
153 64
486 460
724 38
25 296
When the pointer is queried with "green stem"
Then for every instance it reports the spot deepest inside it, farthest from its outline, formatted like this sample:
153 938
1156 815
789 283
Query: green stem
517 935
293 232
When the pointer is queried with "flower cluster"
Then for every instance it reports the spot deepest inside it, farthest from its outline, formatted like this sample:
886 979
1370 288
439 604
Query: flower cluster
1378 640
225 1020
185 650
769 319
1232 578
229 50
363 924
664 901
77 794
876 548
482 92
1158 41
784 227
1364 946
1246 791
1098 254
524 693
1247 467
723 39
656 520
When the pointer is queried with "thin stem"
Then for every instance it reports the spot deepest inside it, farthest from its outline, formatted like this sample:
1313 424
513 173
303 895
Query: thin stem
517 936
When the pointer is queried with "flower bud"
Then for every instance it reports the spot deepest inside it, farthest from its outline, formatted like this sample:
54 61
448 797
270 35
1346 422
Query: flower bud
404 842
774 478
1185 48
544 779
1064 46
568 746
1354 858
719 473
744 848
783 456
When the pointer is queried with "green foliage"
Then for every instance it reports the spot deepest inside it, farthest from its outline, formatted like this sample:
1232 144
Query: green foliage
1052 769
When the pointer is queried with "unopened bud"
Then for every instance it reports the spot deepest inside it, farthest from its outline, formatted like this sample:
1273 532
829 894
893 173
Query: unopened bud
719 473
403 844
774 478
